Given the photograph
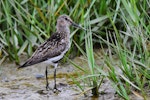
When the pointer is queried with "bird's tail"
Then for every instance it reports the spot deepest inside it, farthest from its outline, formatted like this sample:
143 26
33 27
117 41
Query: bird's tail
24 65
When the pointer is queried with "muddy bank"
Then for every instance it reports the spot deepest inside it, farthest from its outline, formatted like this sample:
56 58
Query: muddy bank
29 83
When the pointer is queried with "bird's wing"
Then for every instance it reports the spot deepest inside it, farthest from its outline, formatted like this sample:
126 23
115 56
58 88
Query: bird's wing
49 49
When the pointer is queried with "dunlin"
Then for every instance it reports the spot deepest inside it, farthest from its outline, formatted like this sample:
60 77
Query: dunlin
53 50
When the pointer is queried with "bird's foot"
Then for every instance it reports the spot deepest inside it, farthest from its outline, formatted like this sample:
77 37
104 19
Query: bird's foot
55 90
48 88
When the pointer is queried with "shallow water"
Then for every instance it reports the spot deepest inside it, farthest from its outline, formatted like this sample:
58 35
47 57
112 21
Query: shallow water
29 83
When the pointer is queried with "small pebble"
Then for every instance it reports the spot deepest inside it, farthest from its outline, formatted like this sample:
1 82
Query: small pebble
39 76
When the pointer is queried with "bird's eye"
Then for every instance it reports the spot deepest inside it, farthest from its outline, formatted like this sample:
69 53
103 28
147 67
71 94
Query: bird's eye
66 18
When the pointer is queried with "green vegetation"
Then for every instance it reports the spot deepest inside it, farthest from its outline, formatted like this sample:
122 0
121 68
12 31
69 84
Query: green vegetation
121 26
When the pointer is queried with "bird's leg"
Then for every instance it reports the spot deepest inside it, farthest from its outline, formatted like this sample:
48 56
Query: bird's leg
47 84
55 88
55 79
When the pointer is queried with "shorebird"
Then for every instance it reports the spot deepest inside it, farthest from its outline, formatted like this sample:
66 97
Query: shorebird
53 50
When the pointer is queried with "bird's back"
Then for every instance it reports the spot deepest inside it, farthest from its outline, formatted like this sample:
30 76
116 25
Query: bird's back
53 47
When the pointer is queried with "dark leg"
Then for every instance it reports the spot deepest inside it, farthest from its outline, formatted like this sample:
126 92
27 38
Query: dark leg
55 88
55 79
47 84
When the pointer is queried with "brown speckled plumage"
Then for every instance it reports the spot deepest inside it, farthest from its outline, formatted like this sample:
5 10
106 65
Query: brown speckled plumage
53 47
52 50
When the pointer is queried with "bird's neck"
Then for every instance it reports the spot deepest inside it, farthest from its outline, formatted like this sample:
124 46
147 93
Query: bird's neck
65 32
63 29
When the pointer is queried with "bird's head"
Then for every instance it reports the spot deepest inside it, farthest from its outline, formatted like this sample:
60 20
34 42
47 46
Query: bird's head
66 21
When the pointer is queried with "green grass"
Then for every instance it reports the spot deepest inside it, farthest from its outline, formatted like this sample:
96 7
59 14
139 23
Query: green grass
121 26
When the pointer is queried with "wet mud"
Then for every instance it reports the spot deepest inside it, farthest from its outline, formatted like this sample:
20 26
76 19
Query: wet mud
29 83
